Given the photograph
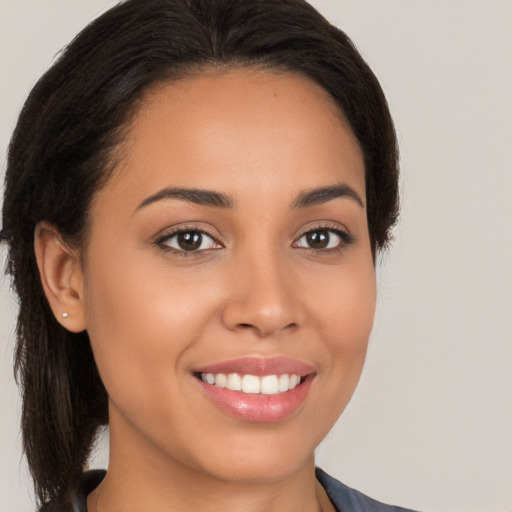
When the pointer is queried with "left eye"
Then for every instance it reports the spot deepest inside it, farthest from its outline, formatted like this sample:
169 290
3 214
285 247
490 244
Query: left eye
189 241
320 239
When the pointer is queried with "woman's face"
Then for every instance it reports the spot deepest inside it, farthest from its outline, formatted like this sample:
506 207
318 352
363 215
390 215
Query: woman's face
230 246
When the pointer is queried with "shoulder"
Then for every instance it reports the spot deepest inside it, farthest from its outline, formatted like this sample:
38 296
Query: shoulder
346 499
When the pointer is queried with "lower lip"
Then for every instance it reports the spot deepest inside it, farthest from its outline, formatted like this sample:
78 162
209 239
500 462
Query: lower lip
258 407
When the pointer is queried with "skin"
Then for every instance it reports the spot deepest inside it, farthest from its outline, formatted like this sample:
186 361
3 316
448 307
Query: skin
153 314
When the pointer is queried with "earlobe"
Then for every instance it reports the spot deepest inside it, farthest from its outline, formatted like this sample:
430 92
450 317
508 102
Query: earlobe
61 276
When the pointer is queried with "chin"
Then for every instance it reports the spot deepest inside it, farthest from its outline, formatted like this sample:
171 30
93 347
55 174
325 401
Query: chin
259 459
267 469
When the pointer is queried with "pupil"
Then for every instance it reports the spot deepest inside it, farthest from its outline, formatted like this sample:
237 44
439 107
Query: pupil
318 239
189 241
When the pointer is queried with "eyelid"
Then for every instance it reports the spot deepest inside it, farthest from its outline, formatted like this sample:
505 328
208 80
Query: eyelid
159 240
346 237
170 232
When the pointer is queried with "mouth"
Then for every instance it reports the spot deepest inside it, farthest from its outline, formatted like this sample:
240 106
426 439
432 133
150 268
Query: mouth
254 389
253 384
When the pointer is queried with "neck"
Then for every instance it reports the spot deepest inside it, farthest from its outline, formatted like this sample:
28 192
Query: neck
134 490
138 481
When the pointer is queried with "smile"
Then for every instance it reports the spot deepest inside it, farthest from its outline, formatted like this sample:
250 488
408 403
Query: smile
253 384
257 389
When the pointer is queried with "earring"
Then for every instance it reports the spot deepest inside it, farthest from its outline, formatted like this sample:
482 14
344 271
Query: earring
65 315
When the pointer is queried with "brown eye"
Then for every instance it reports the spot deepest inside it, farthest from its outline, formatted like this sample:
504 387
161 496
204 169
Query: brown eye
319 239
189 241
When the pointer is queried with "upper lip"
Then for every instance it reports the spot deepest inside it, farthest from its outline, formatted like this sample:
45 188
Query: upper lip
259 366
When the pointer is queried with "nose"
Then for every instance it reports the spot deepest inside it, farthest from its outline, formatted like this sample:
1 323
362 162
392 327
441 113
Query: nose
263 298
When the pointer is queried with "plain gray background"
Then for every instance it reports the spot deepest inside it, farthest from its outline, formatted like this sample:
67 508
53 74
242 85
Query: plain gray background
430 426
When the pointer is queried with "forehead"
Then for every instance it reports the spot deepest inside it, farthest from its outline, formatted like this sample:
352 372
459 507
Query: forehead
239 130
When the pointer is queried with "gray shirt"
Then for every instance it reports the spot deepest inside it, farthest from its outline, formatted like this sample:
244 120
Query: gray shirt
346 499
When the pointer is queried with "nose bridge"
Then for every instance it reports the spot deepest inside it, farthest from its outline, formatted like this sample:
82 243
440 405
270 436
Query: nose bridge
261 293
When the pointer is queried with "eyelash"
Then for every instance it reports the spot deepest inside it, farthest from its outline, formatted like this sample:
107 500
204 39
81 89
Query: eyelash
346 239
163 241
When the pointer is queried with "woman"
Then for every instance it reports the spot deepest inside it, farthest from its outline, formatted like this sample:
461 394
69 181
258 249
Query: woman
195 195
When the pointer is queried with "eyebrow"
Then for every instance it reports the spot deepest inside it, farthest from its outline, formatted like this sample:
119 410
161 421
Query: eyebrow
322 195
193 195
305 199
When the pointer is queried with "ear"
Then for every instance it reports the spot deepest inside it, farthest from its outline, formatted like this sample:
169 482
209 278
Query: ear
61 275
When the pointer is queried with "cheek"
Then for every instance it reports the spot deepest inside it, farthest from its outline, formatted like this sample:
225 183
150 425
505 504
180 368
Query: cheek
345 321
139 323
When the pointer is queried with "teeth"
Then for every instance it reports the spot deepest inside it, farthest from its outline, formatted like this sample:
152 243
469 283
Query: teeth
284 381
270 385
266 385
251 384
294 380
234 382
220 380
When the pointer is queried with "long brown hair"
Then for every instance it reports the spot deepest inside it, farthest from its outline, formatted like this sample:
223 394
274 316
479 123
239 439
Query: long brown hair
61 153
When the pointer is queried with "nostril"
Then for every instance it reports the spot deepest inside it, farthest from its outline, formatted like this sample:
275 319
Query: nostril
262 331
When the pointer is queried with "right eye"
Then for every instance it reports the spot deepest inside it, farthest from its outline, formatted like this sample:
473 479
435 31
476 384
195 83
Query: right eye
188 240
320 239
